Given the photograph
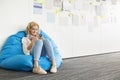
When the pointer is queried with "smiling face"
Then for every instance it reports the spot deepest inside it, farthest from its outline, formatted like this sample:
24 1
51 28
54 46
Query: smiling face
32 29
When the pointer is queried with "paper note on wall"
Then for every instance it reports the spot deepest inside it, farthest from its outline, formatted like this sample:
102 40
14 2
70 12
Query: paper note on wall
63 20
75 20
83 20
48 4
114 2
50 17
37 8
90 23
67 6
98 10
58 3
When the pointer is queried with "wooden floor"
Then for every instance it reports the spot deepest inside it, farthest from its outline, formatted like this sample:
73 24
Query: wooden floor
97 67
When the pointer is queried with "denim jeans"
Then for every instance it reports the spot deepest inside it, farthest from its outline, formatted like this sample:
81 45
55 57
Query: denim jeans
42 48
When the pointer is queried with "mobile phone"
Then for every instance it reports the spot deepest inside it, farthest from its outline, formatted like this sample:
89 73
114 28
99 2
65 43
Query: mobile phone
40 35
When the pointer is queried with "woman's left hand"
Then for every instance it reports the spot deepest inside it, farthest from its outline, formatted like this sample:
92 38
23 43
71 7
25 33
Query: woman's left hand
40 37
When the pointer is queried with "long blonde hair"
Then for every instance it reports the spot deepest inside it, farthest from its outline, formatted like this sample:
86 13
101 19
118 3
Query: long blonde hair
30 25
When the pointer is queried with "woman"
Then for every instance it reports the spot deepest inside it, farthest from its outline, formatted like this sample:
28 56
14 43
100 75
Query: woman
34 44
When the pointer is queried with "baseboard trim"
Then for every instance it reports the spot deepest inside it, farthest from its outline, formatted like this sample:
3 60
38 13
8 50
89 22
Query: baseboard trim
92 55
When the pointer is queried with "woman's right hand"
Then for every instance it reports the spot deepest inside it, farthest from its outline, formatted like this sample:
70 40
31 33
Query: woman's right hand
34 39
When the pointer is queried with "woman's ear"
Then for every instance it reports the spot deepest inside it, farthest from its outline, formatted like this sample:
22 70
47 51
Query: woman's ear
28 30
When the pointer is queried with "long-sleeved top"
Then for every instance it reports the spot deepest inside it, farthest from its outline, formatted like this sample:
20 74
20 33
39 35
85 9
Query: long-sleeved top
25 43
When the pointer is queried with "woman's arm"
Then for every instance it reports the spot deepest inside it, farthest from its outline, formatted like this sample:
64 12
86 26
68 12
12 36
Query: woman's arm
32 43
25 43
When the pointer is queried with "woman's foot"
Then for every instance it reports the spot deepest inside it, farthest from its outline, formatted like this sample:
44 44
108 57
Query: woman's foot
39 70
53 69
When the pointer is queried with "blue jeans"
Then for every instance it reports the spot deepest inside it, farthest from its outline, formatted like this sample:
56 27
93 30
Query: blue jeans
42 48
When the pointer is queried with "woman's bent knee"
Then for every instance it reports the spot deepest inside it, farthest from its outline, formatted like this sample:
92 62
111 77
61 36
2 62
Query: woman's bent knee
39 42
45 41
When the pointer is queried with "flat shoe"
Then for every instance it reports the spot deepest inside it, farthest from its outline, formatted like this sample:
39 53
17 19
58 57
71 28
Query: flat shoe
53 69
39 70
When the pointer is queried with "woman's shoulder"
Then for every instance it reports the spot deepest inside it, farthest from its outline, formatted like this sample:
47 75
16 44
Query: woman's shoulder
25 39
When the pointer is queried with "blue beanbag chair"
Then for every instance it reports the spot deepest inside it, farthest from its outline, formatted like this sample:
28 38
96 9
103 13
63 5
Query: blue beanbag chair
12 55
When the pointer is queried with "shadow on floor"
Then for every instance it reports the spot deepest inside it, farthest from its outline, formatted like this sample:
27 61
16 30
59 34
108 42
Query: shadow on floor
96 67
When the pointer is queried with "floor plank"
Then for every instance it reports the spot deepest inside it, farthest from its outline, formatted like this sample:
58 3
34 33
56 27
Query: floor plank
95 67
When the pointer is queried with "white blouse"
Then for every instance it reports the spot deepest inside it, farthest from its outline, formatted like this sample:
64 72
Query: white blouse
25 42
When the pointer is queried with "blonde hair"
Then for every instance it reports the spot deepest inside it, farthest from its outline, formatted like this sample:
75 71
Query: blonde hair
30 25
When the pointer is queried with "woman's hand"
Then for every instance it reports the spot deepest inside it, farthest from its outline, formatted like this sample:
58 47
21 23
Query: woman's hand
34 39
40 37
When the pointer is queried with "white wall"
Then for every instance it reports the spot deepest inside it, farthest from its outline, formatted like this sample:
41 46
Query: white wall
72 40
